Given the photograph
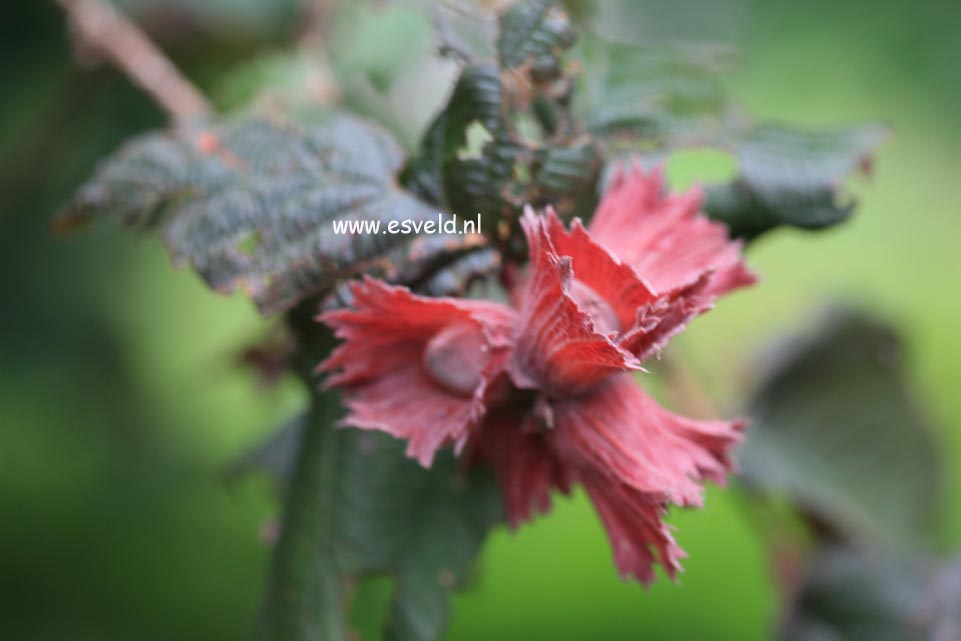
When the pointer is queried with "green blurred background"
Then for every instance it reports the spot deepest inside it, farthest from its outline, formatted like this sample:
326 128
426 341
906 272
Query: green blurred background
122 401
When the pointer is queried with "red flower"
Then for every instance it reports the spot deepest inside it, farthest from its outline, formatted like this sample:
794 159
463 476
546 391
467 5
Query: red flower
650 263
417 368
545 393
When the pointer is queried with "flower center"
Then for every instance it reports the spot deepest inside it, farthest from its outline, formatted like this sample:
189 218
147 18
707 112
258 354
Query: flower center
605 318
455 358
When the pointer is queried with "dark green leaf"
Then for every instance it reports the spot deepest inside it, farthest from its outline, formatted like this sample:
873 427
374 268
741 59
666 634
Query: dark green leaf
646 97
835 429
450 513
506 138
565 177
790 176
251 205
439 265
466 29
357 506
475 104
534 32
850 596
655 99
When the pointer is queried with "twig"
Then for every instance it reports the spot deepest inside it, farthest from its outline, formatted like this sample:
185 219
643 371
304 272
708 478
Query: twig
116 38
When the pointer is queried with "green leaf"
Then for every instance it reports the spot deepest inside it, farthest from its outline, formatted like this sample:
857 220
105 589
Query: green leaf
451 513
466 29
534 32
644 98
506 138
251 205
652 100
443 173
856 596
790 176
358 506
836 430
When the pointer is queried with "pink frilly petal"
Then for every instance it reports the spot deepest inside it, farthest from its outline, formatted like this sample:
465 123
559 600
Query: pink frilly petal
620 430
418 368
647 265
666 317
635 527
559 347
616 283
635 458
665 237
526 469
638 319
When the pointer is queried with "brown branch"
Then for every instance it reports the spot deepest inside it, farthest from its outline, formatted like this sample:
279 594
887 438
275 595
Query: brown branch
113 36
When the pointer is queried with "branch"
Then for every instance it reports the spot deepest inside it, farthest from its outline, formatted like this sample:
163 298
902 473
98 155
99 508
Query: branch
116 38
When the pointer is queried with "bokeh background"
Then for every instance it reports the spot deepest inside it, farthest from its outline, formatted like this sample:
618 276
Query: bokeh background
122 402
